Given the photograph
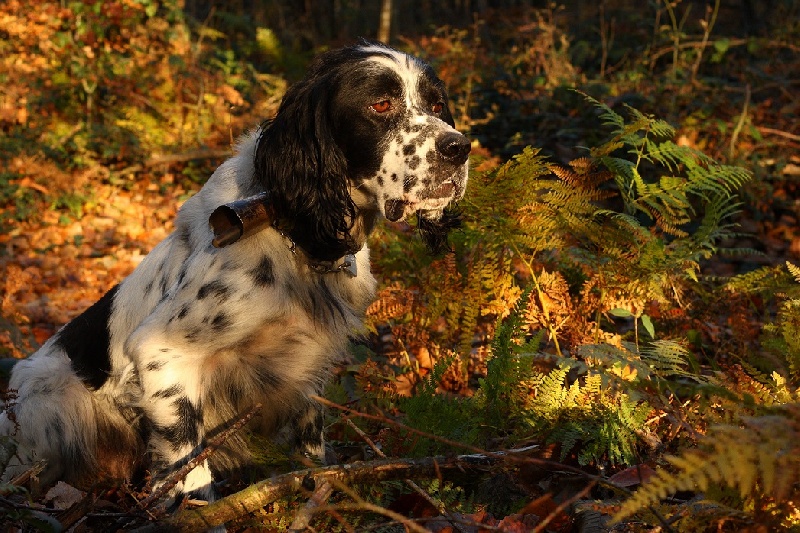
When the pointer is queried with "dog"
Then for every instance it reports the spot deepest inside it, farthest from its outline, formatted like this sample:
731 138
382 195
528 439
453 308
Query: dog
196 335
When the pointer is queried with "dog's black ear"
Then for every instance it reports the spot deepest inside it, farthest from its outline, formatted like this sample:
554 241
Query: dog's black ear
434 232
305 173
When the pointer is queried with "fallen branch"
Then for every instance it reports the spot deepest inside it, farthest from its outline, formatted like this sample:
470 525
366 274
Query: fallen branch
303 517
259 495
31 473
516 457
416 488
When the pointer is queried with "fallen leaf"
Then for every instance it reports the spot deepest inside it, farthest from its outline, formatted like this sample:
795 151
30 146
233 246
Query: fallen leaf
63 496
635 475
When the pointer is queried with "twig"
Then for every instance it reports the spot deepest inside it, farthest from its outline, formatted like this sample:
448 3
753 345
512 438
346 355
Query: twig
563 505
317 500
166 159
212 446
377 509
730 42
773 131
25 506
708 25
740 123
416 488
27 475
513 455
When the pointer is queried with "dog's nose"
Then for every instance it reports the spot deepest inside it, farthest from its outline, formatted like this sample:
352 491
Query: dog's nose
453 146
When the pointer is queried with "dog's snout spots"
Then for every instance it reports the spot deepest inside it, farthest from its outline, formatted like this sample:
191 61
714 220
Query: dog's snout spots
444 190
453 146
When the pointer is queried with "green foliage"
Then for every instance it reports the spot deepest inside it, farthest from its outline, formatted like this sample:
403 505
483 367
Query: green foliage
783 336
677 204
568 248
596 422
22 198
673 205
440 414
117 80
452 497
502 391
654 364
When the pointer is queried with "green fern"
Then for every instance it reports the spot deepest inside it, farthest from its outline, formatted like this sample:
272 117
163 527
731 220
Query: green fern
657 361
501 391
784 335
781 333
601 424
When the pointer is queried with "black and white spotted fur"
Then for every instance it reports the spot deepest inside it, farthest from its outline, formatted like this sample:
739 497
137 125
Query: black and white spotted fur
196 334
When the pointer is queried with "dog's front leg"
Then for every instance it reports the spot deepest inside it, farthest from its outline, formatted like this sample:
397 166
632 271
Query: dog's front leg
172 401
303 433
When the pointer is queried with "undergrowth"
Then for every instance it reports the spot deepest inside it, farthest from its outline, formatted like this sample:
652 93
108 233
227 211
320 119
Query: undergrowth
585 254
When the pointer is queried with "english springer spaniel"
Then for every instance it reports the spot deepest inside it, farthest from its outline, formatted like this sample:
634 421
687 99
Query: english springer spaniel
197 334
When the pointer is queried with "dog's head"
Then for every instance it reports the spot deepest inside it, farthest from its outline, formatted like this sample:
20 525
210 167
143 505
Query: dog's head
368 131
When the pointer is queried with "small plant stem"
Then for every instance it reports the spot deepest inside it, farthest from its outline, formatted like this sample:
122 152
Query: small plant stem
597 317
540 293
740 124
89 88
677 28
465 121
606 38
707 27
676 37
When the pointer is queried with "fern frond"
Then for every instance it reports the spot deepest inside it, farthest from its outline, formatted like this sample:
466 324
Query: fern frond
601 423
794 270
607 115
660 359
668 358
760 457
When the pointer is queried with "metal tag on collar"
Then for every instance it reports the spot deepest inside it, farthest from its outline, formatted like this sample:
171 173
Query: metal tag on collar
350 265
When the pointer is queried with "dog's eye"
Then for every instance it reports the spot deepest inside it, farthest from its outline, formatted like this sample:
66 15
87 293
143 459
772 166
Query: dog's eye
437 107
381 107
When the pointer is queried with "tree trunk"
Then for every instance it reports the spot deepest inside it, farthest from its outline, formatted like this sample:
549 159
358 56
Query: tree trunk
384 30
